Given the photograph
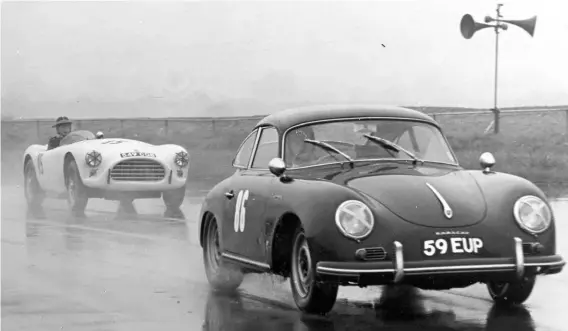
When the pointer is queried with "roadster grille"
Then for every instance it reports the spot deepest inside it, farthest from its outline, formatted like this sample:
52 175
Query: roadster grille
138 170
371 254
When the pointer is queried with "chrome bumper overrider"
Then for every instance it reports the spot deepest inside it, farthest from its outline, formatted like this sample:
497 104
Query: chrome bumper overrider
398 269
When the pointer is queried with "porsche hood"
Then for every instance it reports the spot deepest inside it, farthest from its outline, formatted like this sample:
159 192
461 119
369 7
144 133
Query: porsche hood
452 199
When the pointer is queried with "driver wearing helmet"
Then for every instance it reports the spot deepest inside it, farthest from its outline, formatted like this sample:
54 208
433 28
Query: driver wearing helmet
299 152
62 126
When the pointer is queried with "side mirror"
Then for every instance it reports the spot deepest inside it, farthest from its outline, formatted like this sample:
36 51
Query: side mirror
486 160
277 166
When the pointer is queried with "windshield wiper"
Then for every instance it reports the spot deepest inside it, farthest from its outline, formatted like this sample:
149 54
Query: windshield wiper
392 146
328 147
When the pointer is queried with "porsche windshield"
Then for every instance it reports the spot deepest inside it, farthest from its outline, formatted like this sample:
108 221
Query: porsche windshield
424 141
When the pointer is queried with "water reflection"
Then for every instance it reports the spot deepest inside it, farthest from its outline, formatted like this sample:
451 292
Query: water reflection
398 309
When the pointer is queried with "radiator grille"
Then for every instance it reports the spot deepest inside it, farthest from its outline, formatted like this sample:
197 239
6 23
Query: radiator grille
138 170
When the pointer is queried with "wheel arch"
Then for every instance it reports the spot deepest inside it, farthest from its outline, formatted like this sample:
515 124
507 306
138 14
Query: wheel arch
27 159
280 248
67 159
206 218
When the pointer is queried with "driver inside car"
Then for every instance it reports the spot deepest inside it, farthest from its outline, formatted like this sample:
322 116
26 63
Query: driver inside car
298 152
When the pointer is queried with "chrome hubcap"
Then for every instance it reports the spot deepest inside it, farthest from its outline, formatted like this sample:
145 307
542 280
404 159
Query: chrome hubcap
302 267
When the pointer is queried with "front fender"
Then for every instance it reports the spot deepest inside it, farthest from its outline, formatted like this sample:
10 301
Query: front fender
214 205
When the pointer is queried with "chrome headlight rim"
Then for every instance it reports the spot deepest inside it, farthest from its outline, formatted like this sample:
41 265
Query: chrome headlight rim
530 200
371 220
181 159
94 156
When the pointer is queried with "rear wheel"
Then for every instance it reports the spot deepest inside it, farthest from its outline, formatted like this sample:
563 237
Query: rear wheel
77 197
222 276
32 191
310 296
515 292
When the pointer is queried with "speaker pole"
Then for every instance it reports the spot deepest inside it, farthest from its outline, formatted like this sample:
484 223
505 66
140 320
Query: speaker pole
496 80
468 27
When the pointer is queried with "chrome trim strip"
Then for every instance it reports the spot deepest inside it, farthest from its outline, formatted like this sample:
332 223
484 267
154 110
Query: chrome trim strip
245 260
255 131
488 267
519 257
254 147
398 262
448 212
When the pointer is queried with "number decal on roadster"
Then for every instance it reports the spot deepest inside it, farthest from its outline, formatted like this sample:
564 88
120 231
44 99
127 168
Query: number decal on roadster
456 245
240 211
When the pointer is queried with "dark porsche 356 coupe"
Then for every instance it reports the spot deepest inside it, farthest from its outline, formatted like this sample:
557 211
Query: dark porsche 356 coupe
363 195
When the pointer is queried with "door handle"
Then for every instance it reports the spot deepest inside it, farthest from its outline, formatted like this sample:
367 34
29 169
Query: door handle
230 194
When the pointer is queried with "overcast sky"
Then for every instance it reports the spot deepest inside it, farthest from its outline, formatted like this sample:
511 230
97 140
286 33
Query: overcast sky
317 50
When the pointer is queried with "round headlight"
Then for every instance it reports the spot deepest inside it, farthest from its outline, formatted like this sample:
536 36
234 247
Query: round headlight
532 214
354 219
181 159
93 159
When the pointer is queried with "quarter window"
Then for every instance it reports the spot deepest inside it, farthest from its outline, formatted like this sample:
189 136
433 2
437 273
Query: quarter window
243 155
267 148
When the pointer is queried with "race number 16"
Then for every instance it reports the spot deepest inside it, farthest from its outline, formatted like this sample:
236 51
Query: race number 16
240 211
452 245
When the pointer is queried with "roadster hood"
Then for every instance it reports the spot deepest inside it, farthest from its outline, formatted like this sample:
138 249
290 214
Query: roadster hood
452 199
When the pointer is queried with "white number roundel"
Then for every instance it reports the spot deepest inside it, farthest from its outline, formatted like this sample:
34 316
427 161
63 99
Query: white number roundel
240 211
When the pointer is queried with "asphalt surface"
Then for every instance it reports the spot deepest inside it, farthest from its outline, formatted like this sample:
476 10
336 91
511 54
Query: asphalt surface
101 273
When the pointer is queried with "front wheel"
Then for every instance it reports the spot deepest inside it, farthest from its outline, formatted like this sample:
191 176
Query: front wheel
173 200
310 296
222 276
515 292
77 197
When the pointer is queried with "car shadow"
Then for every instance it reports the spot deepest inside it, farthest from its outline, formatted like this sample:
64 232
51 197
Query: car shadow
398 309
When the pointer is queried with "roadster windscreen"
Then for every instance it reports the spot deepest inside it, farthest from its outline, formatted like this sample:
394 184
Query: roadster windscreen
77 136
423 140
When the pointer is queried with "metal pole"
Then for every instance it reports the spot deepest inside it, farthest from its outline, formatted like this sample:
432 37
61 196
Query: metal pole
495 109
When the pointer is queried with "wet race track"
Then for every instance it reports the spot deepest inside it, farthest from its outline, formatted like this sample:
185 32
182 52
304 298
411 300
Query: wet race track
147 274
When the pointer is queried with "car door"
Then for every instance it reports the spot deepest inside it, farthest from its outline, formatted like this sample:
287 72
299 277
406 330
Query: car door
252 192
50 169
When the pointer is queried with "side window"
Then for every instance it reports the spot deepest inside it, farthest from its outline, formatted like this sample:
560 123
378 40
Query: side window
267 148
243 155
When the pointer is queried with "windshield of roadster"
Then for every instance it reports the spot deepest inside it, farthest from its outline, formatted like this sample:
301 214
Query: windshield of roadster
76 136
310 144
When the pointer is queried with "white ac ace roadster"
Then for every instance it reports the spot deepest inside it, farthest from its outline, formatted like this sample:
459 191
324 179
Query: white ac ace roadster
85 167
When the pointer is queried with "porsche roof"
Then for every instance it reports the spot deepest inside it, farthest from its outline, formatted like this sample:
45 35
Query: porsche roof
284 119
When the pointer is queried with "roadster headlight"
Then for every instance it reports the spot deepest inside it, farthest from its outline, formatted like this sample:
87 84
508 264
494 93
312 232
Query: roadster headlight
532 214
354 219
181 159
93 159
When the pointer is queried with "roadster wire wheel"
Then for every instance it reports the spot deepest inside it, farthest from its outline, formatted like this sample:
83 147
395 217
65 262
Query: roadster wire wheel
77 198
221 276
310 295
515 292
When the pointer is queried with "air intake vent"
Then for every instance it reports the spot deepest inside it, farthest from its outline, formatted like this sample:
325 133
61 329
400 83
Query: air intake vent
138 170
371 254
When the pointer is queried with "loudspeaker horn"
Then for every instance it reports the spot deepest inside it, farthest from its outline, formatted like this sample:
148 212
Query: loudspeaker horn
468 26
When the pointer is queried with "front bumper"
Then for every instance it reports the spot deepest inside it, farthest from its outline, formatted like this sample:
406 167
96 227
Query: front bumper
397 269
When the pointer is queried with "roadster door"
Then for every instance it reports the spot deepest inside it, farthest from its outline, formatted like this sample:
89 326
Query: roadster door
50 169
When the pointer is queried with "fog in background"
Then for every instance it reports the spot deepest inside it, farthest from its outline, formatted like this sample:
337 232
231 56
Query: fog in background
123 59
